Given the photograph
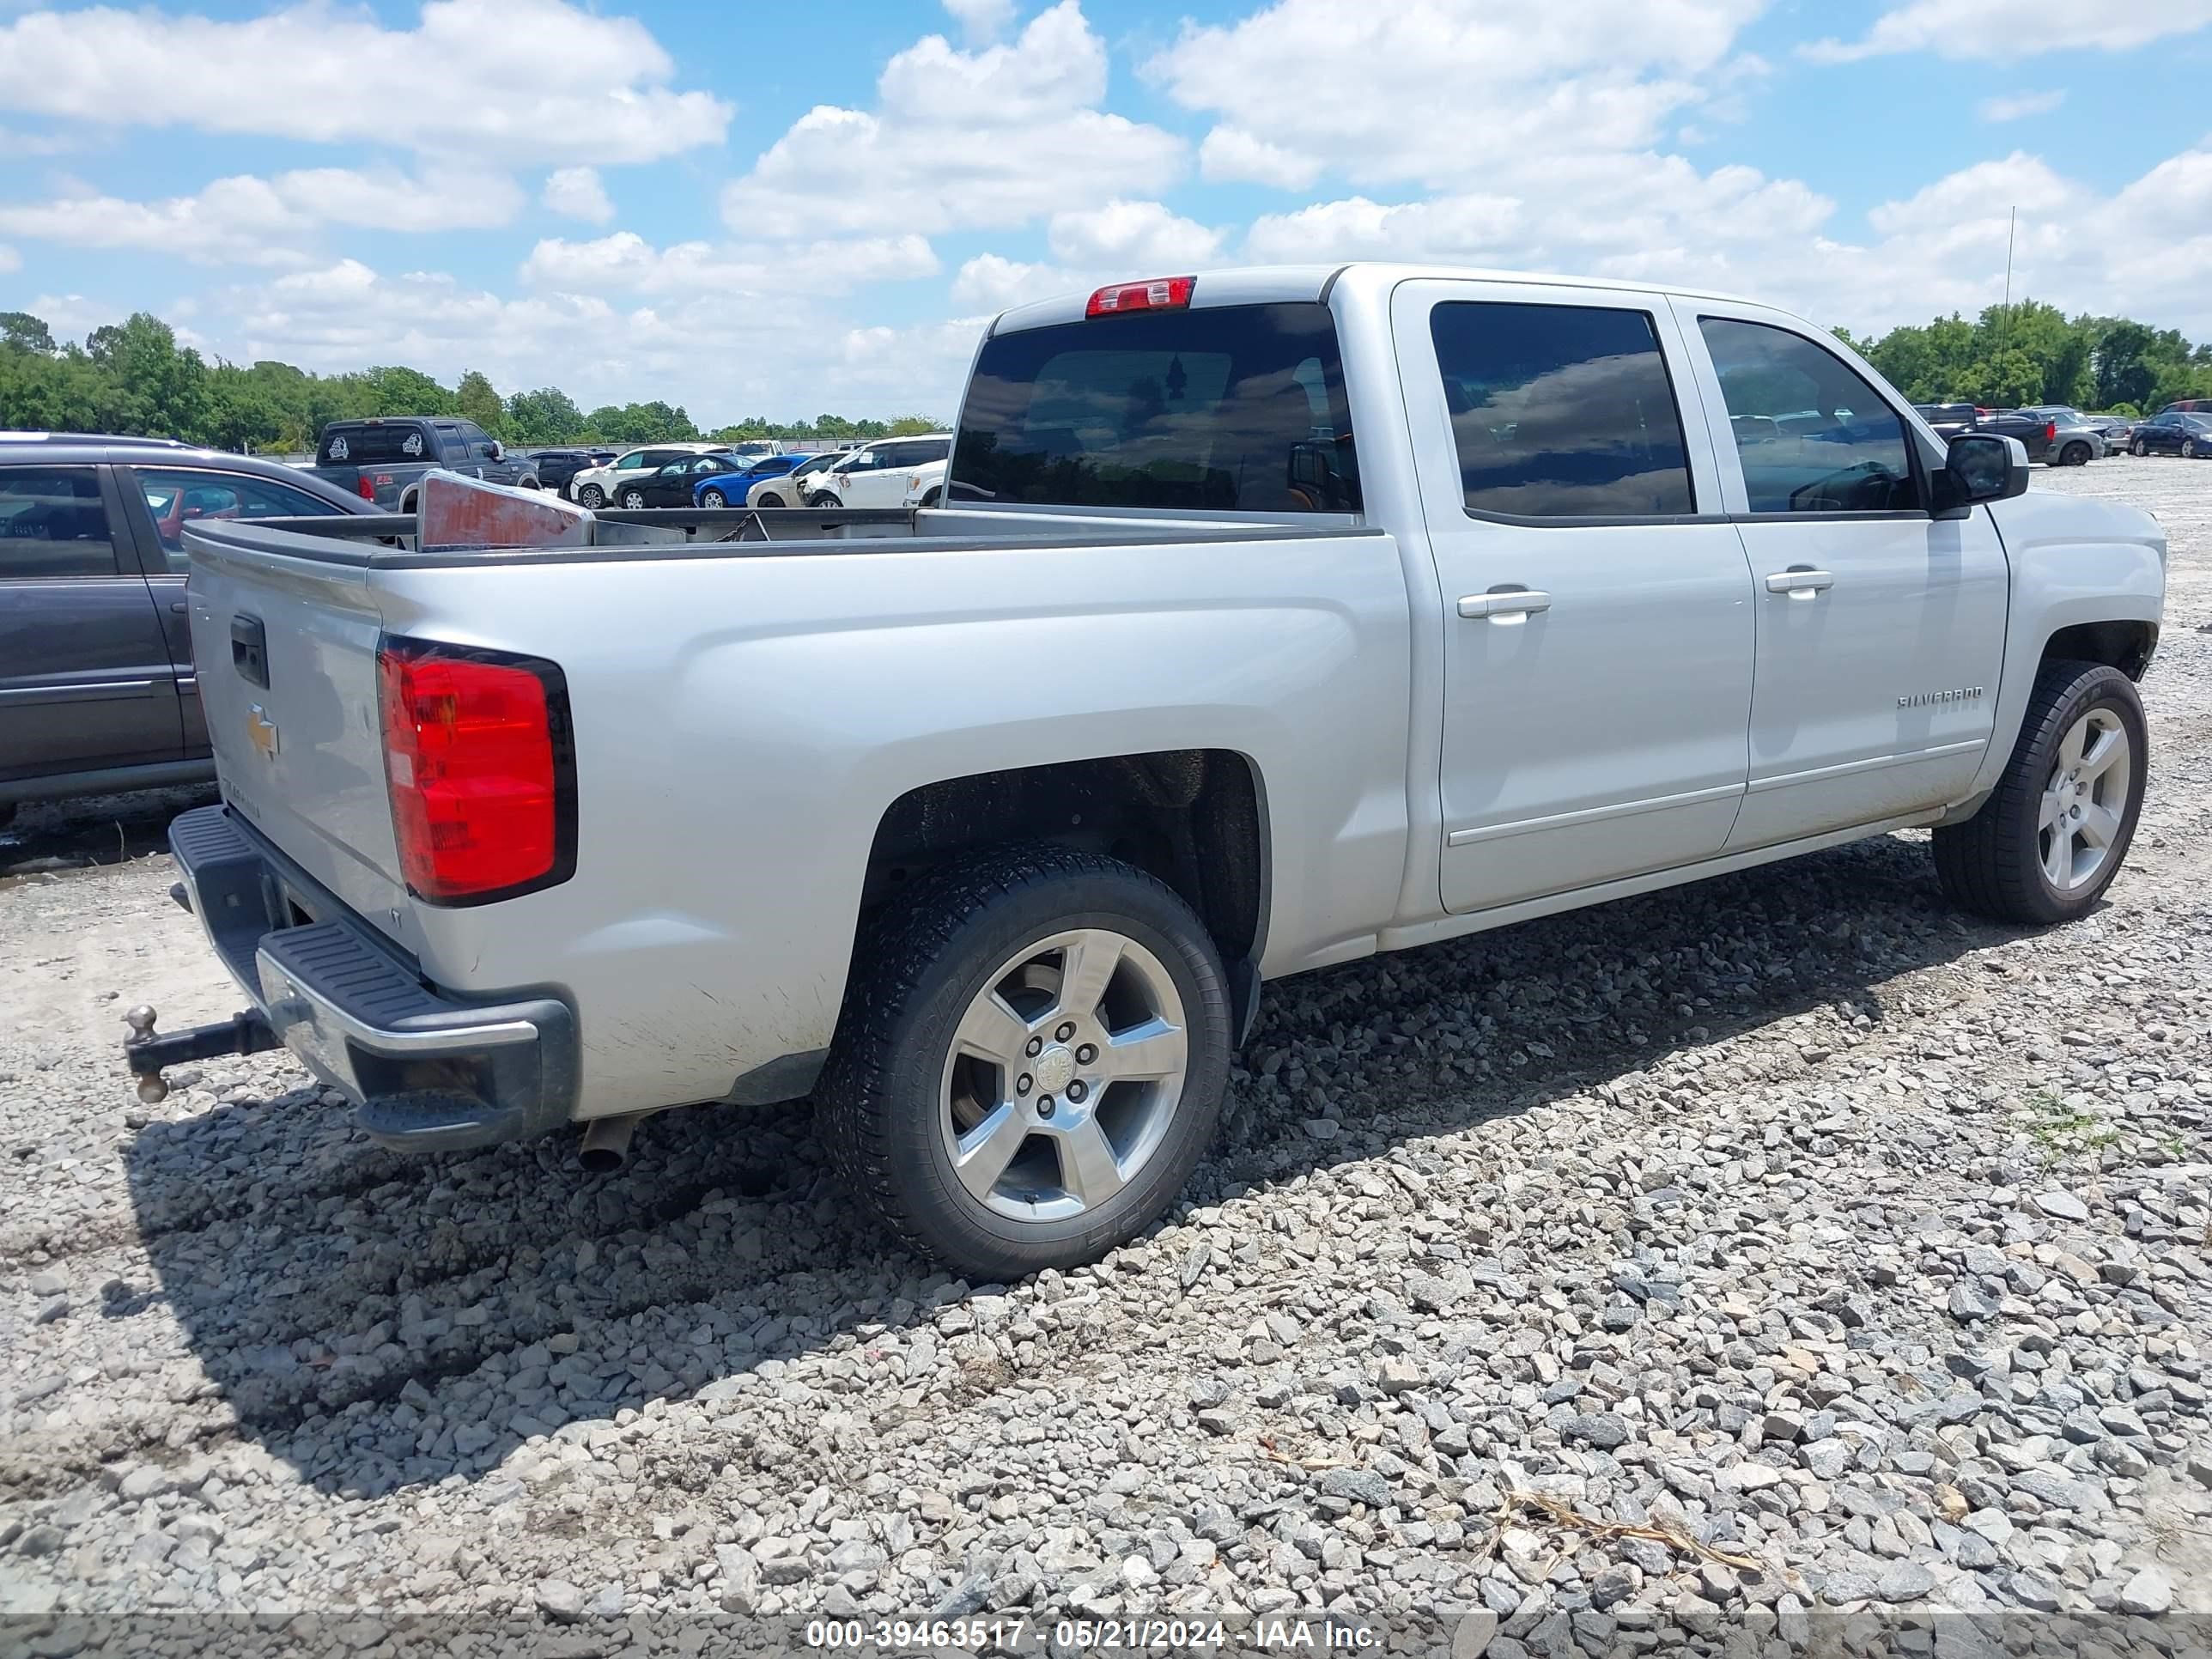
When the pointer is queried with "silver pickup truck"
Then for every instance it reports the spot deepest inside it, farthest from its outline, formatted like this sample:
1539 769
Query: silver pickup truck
1275 617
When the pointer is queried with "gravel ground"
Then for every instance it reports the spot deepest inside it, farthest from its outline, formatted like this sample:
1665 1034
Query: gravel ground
1783 1243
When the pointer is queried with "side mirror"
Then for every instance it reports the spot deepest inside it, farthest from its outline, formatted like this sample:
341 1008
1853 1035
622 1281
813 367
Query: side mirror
498 450
1980 467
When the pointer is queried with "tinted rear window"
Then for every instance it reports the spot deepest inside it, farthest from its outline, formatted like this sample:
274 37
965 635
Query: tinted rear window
1239 407
388 444
1561 411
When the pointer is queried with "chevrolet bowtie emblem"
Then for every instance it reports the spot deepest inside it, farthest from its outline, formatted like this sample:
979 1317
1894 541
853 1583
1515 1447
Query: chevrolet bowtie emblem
262 730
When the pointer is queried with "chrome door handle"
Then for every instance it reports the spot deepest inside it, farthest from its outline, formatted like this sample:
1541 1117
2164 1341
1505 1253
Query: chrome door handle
1513 601
1800 583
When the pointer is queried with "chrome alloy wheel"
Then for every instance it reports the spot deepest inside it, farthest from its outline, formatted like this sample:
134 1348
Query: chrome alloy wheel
1064 1076
2085 802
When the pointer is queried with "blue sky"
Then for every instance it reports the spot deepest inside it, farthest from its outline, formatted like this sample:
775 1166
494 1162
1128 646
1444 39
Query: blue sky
768 208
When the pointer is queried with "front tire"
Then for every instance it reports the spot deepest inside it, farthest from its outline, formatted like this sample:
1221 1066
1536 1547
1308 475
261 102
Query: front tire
634 500
823 499
771 499
592 496
2051 836
2141 449
713 498
1029 1062
2189 449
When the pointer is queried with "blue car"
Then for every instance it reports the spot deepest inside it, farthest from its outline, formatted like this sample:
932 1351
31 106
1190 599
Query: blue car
725 487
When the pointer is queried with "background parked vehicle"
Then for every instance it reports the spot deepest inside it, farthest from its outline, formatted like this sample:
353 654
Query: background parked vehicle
595 486
670 484
2075 440
925 484
2184 434
876 476
792 490
556 467
382 459
2035 432
2189 406
2115 429
720 489
97 690
1949 420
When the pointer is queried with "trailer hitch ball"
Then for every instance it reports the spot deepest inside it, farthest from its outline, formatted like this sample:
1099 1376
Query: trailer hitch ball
153 1089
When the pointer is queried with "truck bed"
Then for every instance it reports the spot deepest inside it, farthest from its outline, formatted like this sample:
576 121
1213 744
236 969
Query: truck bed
743 718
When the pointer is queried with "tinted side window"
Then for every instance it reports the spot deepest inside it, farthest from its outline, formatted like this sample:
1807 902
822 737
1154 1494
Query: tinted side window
1228 407
53 523
1561 411
1813 436
175 497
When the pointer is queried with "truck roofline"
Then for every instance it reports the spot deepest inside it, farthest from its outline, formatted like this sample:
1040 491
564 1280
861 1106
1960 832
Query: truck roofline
1242 285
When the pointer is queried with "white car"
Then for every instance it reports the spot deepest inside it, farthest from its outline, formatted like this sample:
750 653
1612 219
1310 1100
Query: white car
792 488
595 486
876 476
925 485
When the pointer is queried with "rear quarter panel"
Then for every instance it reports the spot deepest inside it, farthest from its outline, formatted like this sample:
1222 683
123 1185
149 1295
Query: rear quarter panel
742 723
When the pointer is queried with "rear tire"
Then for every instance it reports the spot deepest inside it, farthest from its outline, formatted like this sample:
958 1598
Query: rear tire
771 499
2053 834
2141 449
713 498
983 959
2075 454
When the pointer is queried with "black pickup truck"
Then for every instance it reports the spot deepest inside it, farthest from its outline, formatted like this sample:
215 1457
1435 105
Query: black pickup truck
381 459
1950 420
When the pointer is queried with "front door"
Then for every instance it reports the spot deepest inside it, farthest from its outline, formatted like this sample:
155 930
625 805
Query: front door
1881 629
86 679
1597 607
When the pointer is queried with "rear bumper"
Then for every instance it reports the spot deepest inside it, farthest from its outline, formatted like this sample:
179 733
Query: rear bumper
426 1072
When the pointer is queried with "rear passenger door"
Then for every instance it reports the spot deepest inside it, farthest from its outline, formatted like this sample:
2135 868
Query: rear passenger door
1881 630
86 681
1597 607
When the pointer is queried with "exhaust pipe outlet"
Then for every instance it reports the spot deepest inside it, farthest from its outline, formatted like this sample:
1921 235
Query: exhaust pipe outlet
605 1147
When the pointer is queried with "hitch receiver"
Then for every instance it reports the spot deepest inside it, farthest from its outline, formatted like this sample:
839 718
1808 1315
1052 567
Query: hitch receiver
146 1053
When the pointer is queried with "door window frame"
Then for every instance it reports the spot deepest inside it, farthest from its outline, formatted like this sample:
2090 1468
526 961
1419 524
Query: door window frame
1924 450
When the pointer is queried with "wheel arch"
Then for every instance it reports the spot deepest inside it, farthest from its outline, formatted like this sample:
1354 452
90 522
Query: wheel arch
1196 818
2123 643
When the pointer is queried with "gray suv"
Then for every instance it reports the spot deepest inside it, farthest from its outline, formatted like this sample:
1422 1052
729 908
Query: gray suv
97 691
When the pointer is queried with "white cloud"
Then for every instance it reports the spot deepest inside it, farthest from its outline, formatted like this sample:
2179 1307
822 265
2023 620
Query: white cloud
1446 91
981 20
10 259
1232 155
1948 30
626 262
247 220
473 81
577 193
992 282
960 139
1128 235
1090 246
2017 105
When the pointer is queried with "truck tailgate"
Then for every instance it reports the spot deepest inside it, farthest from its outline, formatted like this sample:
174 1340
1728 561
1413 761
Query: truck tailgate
286 649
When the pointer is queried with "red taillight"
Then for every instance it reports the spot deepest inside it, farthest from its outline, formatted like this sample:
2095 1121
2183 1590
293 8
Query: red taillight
476 758
1160 294
362 488
2050 432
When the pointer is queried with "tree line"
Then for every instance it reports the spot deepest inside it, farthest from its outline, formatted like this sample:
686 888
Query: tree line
2032 353
132 378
